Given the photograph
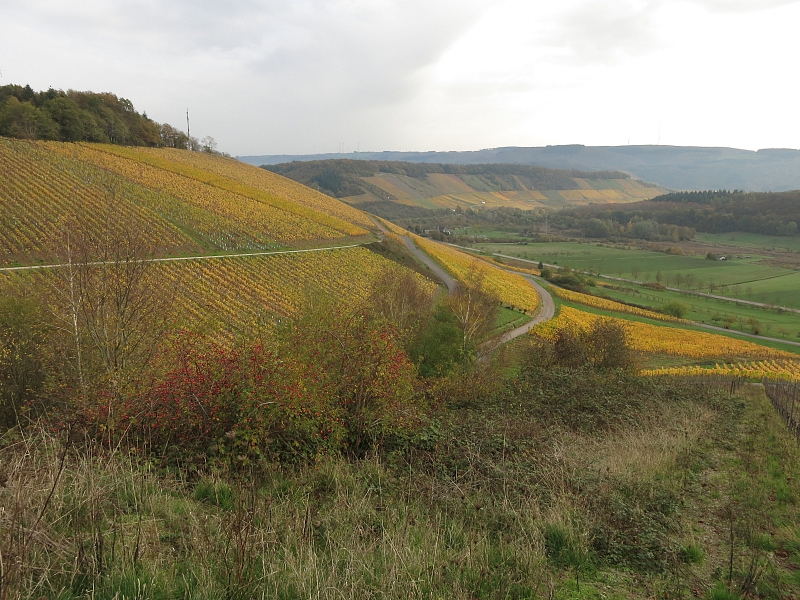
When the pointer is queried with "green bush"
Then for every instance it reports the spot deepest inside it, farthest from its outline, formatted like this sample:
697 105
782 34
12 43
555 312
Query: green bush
675 308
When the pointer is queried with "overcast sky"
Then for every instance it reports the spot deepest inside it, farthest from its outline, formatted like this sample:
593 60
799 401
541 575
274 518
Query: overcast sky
312 76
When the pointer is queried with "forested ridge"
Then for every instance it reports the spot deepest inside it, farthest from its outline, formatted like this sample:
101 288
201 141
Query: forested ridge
769 213
75 116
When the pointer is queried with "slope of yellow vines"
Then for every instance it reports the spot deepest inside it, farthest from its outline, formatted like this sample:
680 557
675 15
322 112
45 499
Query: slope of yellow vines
255 219
658 339
785 369
267 181
41 191
513 290
605 304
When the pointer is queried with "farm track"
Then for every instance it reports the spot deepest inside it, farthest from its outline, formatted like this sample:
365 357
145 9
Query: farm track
426 260
545 312
183 258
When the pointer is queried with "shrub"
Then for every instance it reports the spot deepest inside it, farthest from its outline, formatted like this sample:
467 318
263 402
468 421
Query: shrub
675 308
603 346
22 337
235 403
608 345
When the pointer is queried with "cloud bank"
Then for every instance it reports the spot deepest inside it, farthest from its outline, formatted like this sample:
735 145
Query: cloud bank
302 76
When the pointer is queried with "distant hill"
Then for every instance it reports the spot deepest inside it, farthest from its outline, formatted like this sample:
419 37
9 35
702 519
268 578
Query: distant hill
673 167
392 188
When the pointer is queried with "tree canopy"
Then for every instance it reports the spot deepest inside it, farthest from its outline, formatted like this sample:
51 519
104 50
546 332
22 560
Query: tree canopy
74 116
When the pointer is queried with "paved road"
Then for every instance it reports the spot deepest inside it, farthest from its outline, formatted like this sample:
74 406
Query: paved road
547 310
429 262
426 260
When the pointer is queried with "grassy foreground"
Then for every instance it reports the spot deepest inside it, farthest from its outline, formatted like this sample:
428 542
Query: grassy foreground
556 487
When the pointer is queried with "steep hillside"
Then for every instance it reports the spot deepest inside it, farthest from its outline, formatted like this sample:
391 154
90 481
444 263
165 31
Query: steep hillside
179 201
232 246
370 184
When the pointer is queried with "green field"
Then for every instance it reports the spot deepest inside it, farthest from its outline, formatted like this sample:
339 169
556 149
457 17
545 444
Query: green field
713 312
745 278
751 240
508 319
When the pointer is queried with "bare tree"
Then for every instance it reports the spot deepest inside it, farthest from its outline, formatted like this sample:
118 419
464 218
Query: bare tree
112 301
400 297
474 306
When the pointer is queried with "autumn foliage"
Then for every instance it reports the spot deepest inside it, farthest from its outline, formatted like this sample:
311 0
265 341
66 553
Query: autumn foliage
348 388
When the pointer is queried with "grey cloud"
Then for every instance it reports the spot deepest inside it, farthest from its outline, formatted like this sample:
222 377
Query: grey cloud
602 32
742 5
363 52
358 55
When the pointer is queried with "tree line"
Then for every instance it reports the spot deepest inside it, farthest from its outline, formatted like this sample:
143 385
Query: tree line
768 213
74 116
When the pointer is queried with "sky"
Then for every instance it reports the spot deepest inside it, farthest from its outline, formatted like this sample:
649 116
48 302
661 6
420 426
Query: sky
315 76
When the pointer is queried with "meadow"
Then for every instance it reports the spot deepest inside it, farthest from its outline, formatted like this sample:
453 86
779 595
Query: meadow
775 323
755 241
751 278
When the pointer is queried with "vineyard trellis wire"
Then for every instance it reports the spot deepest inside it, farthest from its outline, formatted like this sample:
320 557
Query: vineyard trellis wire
785 397
729 384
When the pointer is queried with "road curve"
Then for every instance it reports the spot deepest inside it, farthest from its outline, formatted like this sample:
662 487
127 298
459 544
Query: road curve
430 263
546 312
547 307
426 260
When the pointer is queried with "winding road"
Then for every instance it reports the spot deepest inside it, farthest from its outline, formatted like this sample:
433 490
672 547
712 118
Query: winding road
545 312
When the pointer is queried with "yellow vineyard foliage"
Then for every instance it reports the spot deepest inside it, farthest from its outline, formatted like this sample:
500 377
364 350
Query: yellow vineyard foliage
239 293
266 181
513 290
231 215
658 339
785 369
224 183
503 265
42 190
605 304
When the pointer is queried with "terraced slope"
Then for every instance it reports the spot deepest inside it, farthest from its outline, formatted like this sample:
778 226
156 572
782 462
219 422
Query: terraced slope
240 294
437 186
449 191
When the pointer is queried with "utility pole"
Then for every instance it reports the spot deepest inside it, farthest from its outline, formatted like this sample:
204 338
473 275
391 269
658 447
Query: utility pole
188 135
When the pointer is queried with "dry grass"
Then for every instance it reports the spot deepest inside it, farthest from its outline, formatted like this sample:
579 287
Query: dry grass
641 452
501 507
